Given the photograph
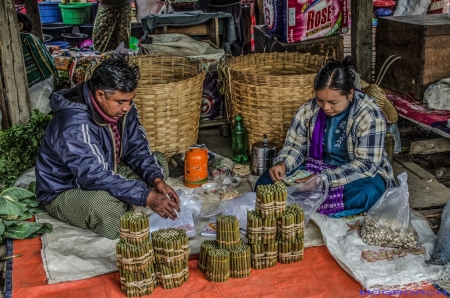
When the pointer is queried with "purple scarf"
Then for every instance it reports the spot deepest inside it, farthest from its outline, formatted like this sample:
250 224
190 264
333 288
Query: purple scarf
314 164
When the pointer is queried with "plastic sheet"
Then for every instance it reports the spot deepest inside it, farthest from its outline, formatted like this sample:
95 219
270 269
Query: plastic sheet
441 253
309 195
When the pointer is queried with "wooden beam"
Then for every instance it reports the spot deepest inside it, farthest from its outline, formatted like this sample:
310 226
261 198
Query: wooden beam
16 96
32 8
430 146
361 33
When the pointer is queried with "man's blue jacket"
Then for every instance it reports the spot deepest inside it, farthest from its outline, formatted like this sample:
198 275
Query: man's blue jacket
78 151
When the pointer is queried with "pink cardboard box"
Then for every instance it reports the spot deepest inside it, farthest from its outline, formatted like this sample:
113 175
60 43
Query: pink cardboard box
296 20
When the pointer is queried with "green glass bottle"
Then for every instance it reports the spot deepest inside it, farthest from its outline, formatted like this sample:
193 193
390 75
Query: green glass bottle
239 141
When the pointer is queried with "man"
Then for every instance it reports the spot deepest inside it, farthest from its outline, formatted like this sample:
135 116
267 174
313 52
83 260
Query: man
94 154
112 25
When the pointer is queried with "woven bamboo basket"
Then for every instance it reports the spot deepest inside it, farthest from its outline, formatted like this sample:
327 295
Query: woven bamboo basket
267 89
168 99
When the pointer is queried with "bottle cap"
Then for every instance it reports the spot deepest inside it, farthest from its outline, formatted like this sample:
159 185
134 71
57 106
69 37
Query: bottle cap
238 118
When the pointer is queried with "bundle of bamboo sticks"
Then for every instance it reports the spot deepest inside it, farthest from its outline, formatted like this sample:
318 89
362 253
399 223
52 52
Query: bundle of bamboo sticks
138 284
228 236
260 230
240 261
290 224
290 251
218 266
205 247
135 257
271 200
134 228
171 248
264 255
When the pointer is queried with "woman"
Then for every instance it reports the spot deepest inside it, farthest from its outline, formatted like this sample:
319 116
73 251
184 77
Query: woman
112 25
339 133
39 63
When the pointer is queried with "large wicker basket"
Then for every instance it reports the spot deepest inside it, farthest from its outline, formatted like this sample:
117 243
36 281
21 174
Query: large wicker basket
267 89
168 99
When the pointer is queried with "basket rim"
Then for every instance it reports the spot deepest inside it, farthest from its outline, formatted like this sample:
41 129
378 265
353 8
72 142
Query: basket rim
195 65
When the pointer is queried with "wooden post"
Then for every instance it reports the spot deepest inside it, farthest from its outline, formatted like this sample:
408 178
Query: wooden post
361 34
32 8
15 94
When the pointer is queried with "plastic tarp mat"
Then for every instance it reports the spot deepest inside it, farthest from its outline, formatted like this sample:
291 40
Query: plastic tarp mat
346 246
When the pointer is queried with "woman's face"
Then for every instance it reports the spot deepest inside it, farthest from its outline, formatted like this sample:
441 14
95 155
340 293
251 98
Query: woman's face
332 102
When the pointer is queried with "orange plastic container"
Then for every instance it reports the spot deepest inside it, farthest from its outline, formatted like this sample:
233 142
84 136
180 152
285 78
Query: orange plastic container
196 167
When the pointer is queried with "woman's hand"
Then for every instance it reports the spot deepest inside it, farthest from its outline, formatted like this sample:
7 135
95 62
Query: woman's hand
277 171
305 179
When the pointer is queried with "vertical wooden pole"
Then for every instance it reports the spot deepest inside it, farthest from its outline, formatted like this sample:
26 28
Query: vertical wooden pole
15 95
32 8
361 34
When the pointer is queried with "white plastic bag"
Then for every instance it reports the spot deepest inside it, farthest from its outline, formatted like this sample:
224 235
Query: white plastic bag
309 195
441 253
437 95
388 221
40 93
412 7
191 201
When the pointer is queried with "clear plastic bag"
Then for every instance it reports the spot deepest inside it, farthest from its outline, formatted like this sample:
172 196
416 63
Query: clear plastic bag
238 206
40 93
388 221
441 253
309 195
191 201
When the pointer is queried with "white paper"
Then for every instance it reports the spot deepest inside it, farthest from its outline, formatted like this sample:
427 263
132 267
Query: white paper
185 221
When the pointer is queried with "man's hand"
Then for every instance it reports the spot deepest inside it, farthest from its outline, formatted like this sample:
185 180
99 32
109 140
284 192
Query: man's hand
162 205
277 171
160 186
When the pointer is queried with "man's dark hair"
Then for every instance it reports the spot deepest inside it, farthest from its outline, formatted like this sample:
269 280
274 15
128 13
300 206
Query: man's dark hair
114 75
25 20
337 75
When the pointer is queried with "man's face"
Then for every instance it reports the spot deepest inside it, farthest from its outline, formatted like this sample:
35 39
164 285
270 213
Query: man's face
116 104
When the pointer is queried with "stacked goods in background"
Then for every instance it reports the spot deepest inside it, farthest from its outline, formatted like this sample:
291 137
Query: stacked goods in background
274 231
293 21
171 248
226 256
135 257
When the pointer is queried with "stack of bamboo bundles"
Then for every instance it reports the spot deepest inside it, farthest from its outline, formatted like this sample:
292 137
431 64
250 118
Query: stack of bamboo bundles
226 256
135 257
171 248
274 231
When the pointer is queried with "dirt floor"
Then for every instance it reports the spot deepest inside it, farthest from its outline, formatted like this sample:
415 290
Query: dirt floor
437 164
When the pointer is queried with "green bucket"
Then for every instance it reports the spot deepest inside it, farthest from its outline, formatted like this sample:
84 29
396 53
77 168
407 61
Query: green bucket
75 13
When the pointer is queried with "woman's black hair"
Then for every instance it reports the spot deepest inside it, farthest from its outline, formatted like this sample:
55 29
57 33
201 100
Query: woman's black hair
114 74
337 75
25 20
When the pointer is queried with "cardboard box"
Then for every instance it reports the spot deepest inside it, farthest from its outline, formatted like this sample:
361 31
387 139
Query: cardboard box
63 63
331 46
296 20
